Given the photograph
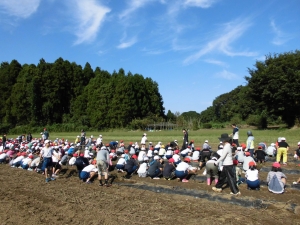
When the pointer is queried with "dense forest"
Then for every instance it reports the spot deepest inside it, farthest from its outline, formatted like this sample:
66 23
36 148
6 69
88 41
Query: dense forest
67 97
71 97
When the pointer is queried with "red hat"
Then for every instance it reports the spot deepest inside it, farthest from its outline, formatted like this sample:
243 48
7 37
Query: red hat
243 145
233 144
75 154
259 147
130 143
198 149
187 159
189 146
176 151
94 148
134 157
110 156
30 157
276 164
81 155
171 160
251 163
107 145
235 162
247 153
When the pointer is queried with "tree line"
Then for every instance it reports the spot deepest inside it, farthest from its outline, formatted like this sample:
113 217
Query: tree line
271 95
65 93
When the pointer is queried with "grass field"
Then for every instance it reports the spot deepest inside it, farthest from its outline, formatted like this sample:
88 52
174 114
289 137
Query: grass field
268 136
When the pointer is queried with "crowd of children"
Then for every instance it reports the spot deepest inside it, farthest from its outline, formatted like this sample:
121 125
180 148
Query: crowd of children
226 165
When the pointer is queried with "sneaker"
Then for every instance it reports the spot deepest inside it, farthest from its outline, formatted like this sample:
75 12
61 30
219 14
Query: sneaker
295 182
185 180
217 189
257 189
88 182
284 164
20 167
107 185
54 175
13 166
239 193
101 185
156 178
47 180
30 169
52 178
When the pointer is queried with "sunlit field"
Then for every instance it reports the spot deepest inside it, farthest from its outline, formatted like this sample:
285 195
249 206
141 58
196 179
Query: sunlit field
268 136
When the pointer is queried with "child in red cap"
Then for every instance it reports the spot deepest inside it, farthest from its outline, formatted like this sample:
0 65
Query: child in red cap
276 179
169 170
252 177
260 155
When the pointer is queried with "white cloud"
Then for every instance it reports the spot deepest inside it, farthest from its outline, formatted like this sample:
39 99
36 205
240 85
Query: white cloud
19 8
226 75
127 44
216 62
280 37
199 3
229 33
133 6
89 16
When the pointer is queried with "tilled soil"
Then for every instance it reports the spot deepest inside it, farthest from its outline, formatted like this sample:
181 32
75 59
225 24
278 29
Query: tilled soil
27 199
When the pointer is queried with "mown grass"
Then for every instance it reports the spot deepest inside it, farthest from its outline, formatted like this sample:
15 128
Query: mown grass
199 136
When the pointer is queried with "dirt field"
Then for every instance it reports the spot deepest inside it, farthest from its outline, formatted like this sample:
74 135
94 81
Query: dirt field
27 199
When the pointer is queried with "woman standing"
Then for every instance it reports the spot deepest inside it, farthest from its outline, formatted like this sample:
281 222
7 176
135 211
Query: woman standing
227 175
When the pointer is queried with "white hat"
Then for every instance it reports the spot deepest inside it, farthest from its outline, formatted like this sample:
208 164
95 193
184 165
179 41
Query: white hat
143 149
100 135
78 136
206 141
299 143
221 142
239 148
221 146
86 148
170 148
146 158
92 136
78 144
47 141
283 139
272 144
123 155
103 148
156 157
155 151
145 134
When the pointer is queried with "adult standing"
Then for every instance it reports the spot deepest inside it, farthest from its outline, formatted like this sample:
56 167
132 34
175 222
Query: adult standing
235 134
82 138
283 147
99 141
29 137
46 134
102 164
227 175
144 140
250 143
185 139
4 141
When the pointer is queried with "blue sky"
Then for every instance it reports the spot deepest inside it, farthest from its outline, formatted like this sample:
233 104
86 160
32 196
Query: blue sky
194 49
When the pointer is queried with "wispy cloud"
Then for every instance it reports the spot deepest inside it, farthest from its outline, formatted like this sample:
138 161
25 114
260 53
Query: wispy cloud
199 3
280 37
229 33
226 75
127 43
216 62
17 8
133 5
89 16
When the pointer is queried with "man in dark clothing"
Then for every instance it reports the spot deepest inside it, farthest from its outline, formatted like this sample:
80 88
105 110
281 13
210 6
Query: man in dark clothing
185 139
235 135
4 141
29 137
155 169
168 172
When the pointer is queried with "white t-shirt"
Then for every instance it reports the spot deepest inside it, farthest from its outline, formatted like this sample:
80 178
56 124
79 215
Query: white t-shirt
183 166
56 156
176 157
99 141
270 150
142 168
36 161
144 139
252 175
121 161
247 159
90 168
18 159
150 153
87 154
141 156
72 161
47 152
169 152
26 161
220 151
3 156
161 151
186 151
195 155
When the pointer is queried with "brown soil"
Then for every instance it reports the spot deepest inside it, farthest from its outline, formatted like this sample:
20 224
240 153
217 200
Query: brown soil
27 199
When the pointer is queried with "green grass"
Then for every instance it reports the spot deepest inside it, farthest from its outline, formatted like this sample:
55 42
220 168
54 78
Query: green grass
268 136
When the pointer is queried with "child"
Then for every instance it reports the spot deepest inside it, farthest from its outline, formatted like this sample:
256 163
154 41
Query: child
297 153
142 171
247 159
276 179
168 171
260 155
239 155
121 164
183 170
238 172
252 177
212 170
